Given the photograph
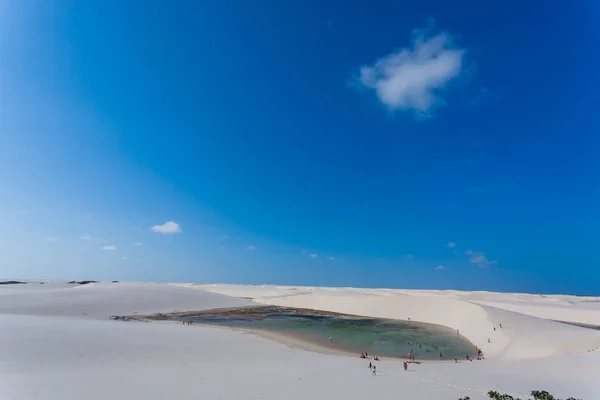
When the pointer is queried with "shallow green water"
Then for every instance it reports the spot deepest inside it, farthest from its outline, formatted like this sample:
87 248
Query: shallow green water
384 338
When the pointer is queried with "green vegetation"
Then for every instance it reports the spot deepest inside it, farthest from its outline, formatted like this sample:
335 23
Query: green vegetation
536 395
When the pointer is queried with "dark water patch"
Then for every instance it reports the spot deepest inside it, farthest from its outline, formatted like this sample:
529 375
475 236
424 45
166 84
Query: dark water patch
587 326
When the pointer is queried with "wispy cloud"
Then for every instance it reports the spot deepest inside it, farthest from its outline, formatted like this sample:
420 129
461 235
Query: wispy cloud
251 247
138 244
479 258
409 256
439 268
85 237
331 258
314 255
411 79
52 239
109 248
223 248
450 245
167 228
124 258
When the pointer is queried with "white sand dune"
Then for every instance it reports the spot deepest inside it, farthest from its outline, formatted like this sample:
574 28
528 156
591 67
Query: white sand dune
58 344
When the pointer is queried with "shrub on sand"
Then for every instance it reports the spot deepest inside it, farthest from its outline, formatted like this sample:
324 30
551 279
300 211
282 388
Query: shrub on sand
536 395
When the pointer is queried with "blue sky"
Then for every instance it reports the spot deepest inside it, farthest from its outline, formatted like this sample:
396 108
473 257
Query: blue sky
426 145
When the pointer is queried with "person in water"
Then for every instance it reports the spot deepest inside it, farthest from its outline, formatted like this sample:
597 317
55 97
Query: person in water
374 370
441 356
405 366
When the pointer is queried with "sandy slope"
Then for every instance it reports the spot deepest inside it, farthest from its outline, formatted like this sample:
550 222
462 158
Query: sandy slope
52 350
103 299
522 336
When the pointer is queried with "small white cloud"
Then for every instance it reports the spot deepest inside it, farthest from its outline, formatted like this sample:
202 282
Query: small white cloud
85 237
138 244
24 211
109 248
479 258
52 239
124 258
223 247
225 236
331 258
451 245
88 215
439 268
411 79
138 260
409 256
313 255
304 251
250 247
167 228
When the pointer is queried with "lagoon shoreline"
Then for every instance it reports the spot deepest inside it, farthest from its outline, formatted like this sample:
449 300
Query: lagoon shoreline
295 338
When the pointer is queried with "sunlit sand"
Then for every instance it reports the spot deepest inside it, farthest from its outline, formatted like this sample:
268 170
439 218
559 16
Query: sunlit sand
59 343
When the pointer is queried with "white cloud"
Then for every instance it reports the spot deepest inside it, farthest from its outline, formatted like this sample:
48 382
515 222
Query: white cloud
331 258
109 248
223 247
439 268
250 247
85 237
167 228
409 256
124 258
479 258
313 255
451 245
138 244
411 79
52 239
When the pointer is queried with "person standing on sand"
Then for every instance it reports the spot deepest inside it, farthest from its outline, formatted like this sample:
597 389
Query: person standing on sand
370 365
405 366
441 356
374 370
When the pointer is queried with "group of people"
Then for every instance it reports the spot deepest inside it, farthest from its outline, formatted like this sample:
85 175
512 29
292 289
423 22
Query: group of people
366 355
411 356
188 322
